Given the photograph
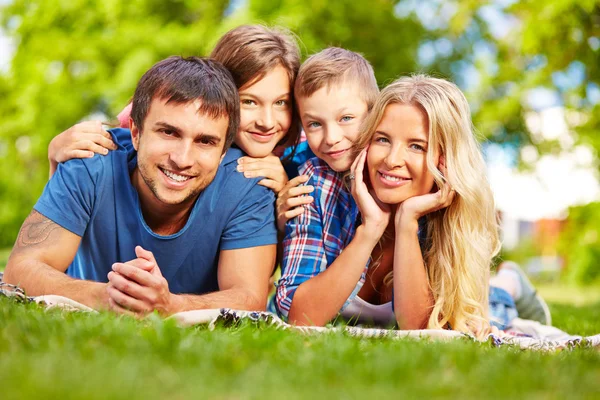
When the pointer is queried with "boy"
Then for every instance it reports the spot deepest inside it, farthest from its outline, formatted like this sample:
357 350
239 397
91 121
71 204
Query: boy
334 90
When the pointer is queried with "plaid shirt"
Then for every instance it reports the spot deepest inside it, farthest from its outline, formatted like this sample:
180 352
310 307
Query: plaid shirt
314 239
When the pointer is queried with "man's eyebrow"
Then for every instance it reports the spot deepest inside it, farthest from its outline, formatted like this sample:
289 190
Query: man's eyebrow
208 136
201 135
167 126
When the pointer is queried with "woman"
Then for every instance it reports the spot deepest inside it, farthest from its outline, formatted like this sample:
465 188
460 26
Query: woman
264 63
419 239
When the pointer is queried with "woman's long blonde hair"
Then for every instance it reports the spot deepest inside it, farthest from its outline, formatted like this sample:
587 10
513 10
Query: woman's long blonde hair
463 238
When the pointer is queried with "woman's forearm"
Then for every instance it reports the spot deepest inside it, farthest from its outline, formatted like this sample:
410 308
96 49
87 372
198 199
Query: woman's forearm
413 301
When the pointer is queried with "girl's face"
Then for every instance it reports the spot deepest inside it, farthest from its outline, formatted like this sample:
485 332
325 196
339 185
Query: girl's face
265 113
396 159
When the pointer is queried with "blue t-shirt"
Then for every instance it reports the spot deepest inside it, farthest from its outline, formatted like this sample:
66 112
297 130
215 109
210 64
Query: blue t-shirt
303 153
94 199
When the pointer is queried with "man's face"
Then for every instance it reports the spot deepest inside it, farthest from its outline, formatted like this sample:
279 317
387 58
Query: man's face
331 119
179 152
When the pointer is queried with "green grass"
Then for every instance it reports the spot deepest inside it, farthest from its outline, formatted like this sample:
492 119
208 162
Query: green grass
71 355
4 253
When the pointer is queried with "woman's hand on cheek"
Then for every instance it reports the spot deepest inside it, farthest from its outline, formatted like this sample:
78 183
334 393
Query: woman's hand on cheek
268 167
375 214
410 210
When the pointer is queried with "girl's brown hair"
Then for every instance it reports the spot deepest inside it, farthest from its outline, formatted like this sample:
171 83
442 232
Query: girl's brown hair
249 52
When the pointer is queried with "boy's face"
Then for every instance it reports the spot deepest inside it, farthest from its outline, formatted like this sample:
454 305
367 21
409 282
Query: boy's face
331 118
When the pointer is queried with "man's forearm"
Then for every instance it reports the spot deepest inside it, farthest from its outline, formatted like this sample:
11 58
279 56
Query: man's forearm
235 298
37 279
41 255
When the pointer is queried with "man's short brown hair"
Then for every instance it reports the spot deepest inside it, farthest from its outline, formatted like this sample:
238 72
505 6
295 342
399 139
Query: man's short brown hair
182 80
334 66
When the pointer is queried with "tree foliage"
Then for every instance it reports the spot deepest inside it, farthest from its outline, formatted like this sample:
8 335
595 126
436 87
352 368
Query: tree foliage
580 244
551 49
76 58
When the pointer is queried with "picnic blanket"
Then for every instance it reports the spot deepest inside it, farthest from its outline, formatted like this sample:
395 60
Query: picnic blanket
523 334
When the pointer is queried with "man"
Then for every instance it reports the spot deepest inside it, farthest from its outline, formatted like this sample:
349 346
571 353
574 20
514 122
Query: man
178 194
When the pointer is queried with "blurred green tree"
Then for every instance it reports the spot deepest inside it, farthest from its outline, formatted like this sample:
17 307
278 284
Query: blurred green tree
551 49
580 245
77 58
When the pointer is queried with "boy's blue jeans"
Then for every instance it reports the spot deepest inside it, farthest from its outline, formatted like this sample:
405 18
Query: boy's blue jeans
502 308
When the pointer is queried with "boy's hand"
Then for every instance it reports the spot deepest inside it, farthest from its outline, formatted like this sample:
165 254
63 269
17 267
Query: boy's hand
80 141
291 199
269 167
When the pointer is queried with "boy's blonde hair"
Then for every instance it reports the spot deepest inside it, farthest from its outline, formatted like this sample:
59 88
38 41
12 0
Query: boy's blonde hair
462 239
334 66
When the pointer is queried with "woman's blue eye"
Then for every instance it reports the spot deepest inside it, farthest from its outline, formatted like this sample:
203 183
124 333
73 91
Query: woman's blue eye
381 139
346 118
417 147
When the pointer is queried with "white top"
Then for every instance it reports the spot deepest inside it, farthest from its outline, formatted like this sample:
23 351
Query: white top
360 311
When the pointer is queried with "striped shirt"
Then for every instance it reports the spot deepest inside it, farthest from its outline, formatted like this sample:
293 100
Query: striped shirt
314 239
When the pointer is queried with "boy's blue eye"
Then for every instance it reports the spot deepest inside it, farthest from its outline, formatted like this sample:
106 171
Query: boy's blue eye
313 125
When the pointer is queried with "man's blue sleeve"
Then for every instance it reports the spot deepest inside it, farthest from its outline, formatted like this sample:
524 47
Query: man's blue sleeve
68 198
253 223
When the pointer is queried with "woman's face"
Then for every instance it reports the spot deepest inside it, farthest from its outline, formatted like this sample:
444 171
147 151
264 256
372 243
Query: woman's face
265 113
396 159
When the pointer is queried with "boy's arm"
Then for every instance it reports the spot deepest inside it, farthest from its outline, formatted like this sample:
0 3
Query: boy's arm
41 255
